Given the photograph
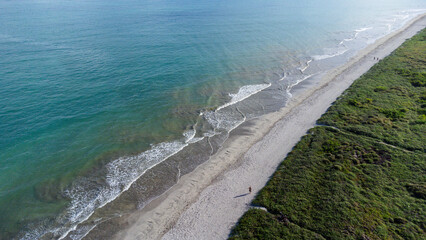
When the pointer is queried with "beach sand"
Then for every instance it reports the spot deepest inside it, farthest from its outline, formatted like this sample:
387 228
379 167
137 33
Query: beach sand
206 203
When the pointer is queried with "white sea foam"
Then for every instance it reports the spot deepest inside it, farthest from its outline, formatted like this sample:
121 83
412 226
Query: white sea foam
346 40
220 121
291 86
302 69
82 233
402 16
224 121
357 31
363 29
389 26
237 124
227 121
395 22
243 93
209 134
325 56
190 136
87 194
284 76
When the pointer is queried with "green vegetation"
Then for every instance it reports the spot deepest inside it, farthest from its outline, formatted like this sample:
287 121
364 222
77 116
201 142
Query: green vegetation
361 173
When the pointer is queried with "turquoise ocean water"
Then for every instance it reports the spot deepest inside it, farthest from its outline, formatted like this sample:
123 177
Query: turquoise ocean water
95 93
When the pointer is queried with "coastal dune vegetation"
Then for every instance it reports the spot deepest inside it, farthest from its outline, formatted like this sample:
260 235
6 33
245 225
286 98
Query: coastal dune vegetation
360 173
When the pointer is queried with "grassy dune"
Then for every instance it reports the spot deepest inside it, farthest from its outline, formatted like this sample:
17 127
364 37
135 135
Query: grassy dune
361 173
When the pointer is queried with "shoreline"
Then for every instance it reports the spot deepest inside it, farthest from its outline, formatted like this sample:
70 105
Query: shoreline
214 187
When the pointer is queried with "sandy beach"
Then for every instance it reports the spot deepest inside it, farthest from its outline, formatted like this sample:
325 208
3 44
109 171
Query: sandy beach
206 203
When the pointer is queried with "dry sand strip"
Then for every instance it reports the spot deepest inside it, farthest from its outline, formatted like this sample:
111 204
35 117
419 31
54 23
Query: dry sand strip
206 203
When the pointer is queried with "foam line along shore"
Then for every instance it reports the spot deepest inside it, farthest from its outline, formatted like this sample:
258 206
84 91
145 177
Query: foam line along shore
219 118
201 181
217 202
99 116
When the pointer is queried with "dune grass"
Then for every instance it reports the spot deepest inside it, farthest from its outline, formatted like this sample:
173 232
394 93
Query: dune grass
360 174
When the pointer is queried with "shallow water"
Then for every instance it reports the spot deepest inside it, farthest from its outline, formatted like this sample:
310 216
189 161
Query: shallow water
95 93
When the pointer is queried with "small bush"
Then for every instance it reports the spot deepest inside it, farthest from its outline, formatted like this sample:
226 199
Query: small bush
330 145
350 184
355 103
380 89
417 79
417 190
394 114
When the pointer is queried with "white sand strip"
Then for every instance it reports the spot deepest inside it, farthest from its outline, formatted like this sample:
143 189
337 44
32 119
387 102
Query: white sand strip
206 203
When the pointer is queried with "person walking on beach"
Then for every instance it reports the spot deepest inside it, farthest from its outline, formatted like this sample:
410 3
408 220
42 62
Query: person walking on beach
250 189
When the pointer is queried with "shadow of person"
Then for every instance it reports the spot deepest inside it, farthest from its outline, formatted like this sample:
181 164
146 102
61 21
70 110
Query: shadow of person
242 195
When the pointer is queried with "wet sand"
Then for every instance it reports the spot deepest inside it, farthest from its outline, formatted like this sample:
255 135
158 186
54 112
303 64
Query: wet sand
207 202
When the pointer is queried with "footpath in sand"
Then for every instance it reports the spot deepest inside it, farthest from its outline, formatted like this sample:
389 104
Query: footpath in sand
206 203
